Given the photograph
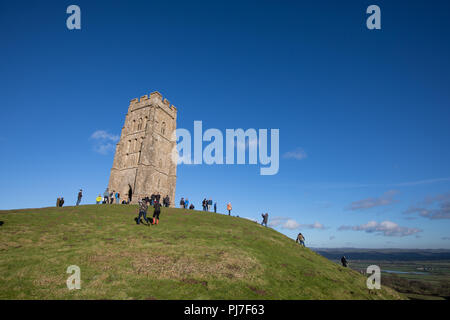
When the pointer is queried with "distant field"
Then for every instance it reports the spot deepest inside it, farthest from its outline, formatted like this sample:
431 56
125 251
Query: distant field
189 255
417 279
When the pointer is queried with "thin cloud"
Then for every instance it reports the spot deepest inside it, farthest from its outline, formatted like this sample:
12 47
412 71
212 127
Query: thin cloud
104 142
386 199
297 154
419 182
104 135
385 228
379 185
291 224
104 149
434 208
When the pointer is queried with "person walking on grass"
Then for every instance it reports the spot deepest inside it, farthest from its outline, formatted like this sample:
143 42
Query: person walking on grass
157 212
143 207
229 208
265 219
300 239
80 195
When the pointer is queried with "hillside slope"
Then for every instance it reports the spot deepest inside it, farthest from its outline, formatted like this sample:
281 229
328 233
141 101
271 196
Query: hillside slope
189 255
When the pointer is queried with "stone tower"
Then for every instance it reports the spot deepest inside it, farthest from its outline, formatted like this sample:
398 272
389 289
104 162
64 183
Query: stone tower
143 160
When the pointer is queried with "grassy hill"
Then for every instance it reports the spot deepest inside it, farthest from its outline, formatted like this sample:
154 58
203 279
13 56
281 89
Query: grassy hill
189 255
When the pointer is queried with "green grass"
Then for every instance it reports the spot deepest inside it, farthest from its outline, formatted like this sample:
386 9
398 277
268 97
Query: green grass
189 255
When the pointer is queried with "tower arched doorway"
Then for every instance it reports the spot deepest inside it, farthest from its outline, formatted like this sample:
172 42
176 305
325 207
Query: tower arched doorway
130 194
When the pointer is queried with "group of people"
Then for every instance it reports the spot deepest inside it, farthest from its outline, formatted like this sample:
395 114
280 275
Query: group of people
143 207
184 203
60 202
108 197
156 197
206 204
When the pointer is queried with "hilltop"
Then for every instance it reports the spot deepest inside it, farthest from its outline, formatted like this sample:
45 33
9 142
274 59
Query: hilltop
189 255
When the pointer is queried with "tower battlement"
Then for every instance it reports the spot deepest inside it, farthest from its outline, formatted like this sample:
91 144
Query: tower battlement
154 96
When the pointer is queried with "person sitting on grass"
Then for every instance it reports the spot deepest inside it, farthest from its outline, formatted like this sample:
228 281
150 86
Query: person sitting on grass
191 207
300 239
98 199
143 206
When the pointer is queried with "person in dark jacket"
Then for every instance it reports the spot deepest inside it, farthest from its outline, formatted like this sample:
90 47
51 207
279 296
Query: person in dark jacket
106 196
80 195
215 207
265 219
61 201
157 212
182 204
344 261
300 239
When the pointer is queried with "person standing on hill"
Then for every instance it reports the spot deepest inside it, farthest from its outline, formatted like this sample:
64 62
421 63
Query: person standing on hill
344 262
61 201
117 198
182 203
143 206
166 201
229 208
215 207
265 219
111 197
156 213
300 239
106 196
98 199
186 203
58 201
80 195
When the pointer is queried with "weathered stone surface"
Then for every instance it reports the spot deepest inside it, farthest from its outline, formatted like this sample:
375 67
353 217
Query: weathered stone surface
143 160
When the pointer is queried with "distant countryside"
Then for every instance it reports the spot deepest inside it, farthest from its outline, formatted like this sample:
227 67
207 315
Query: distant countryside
418 274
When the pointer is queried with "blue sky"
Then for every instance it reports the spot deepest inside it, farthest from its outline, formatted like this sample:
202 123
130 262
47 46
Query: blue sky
363 115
